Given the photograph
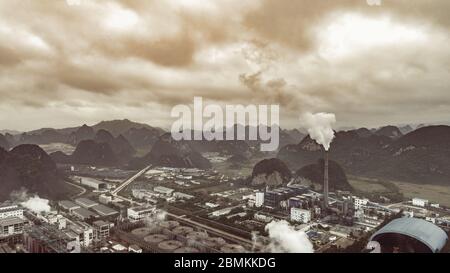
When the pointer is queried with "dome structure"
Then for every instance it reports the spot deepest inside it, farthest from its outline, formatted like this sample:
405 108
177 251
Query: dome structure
410 235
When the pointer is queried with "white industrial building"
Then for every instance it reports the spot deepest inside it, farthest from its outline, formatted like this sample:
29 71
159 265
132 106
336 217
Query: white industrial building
163 190
182 195
84 232
300 215
360 202
91 183
11 226
139 213
259 199
11 211
419 202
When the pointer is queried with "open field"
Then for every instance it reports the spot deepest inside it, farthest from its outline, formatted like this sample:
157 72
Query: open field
366 185
434 193
244 169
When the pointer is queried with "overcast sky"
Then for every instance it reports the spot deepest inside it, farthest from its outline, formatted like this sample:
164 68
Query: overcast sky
63 65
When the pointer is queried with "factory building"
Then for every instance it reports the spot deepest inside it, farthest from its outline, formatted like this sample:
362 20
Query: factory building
181 195
85 203
11 211
68 205
101 230
163 190
83 214
222 212
103 210
272 199
139 213
360 203
418 202
92 183
11 226
49 239
84 233
57 220
259 199
300 215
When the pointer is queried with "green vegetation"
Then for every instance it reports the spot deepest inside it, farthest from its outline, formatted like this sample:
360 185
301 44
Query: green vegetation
376 190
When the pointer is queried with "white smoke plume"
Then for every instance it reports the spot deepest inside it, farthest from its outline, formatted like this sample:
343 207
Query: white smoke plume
37 204
285 239
31 202
319 127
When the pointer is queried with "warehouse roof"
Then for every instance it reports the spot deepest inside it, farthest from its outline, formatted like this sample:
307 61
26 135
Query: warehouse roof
87 203
427 233
68 204
104 210
84 213
11 221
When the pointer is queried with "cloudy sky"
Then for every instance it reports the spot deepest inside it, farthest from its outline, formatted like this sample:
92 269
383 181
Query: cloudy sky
69 62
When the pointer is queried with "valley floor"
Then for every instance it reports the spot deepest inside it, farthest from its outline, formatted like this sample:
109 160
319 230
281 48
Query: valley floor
434 193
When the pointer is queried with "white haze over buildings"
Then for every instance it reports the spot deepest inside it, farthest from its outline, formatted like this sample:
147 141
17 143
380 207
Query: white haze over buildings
37 204
319 127
285 239
30 201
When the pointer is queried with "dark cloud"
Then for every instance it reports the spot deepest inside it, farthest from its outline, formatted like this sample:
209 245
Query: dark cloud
129 58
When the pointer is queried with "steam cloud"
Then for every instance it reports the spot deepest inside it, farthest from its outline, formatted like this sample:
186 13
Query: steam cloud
33 203
37 204
319 127
284 238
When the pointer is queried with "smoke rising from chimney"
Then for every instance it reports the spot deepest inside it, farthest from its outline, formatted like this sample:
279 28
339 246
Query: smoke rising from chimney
319 127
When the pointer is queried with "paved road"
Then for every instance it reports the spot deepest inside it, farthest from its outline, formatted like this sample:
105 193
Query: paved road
83 190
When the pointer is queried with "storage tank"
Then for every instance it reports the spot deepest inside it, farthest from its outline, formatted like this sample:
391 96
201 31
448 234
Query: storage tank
182 230
156 238
170 245
186 250
141 232
169 224
232 248
214 242
197 235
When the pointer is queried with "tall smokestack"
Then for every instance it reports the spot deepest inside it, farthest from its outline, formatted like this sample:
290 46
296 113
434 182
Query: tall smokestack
325 181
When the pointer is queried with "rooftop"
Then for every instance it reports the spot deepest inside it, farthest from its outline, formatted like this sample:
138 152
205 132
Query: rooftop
429 234
11 221
104 210
85 202
84 213
68 204
142 208
100 223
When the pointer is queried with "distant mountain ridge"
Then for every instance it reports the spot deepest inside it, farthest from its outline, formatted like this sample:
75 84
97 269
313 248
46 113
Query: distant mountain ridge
420 156
170 153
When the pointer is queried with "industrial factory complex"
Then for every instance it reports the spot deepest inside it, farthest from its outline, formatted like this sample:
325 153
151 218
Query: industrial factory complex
176 210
